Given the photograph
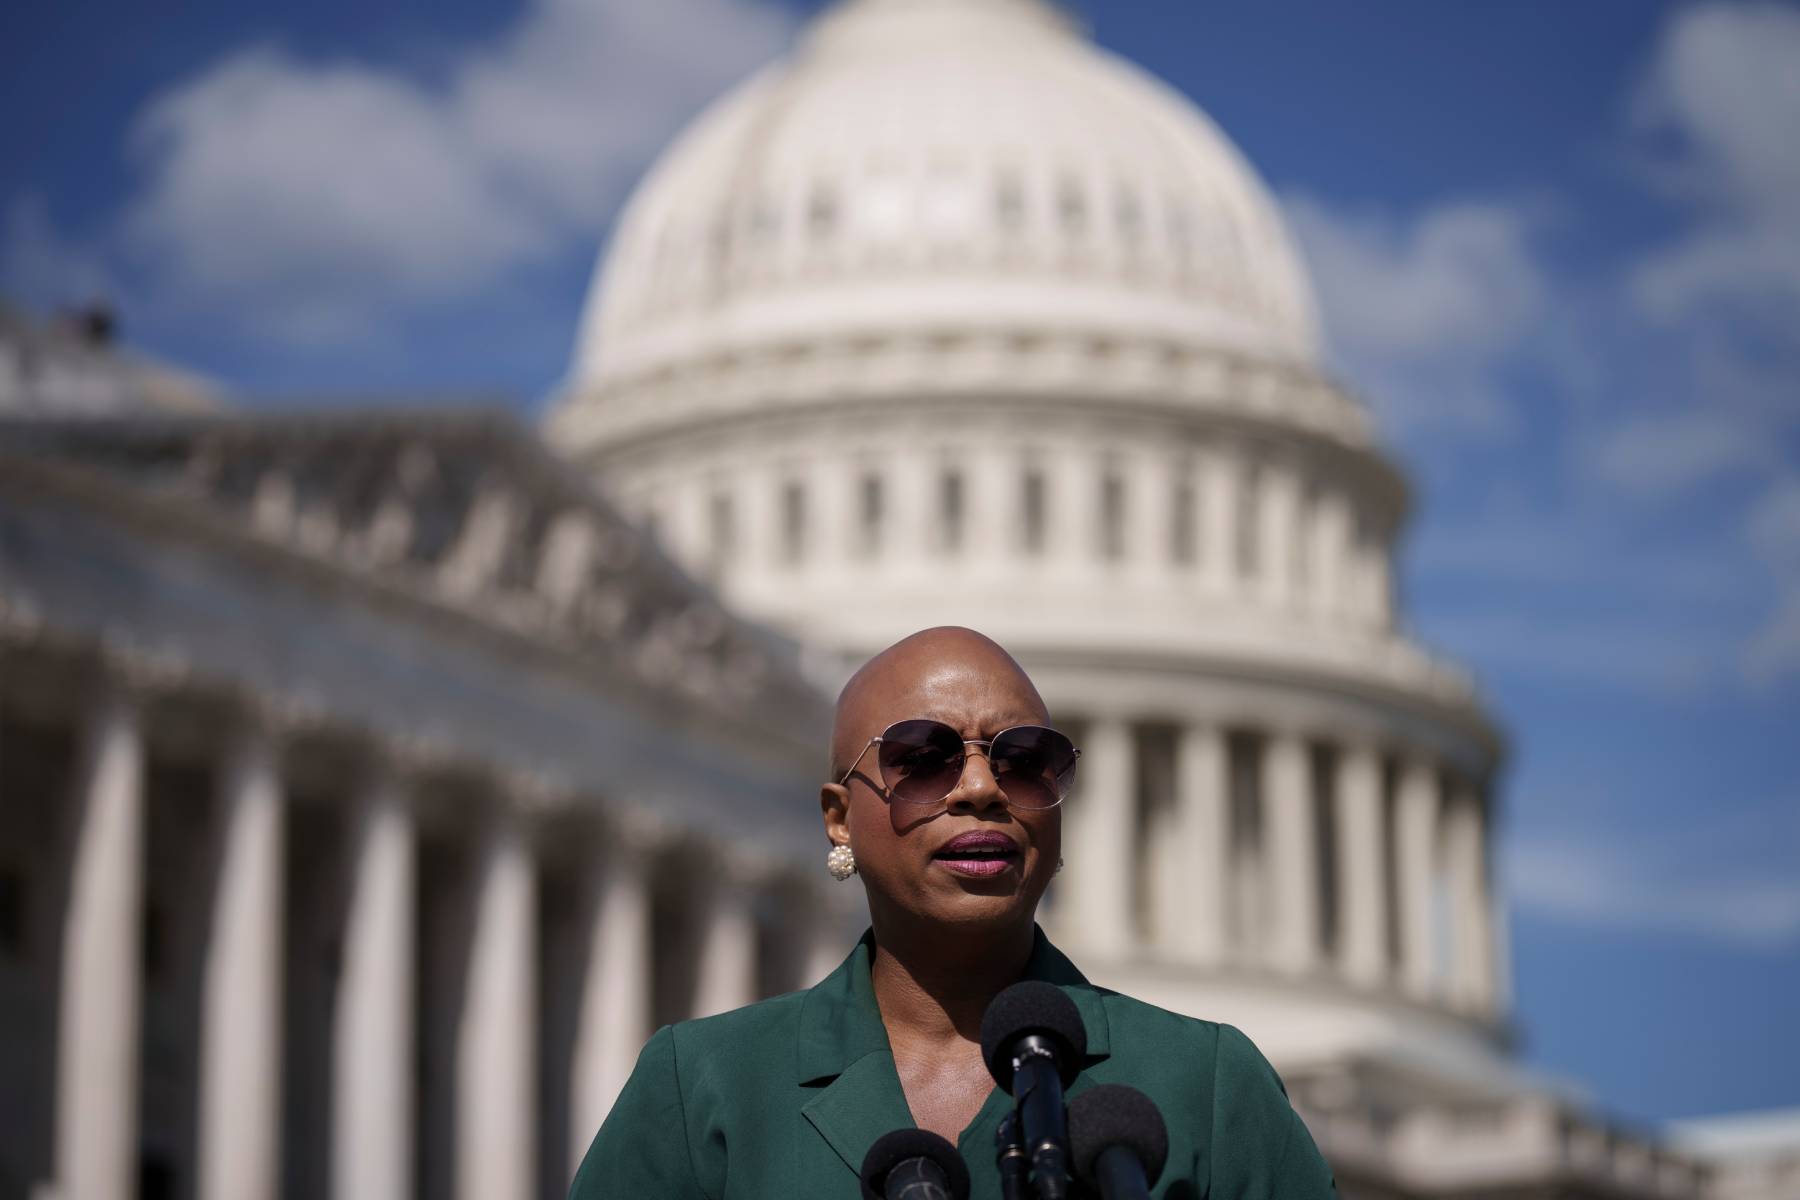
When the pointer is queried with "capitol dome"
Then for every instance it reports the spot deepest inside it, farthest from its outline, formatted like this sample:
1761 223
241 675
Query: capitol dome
950 317
822 204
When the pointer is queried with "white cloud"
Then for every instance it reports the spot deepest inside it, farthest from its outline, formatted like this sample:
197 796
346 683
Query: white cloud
1603 883
1666 456
1723 90
1719 110
312 198
1420 312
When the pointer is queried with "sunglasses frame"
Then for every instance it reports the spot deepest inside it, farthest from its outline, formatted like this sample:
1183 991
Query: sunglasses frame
986 745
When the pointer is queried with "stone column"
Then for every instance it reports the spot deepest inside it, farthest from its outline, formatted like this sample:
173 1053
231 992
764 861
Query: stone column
1361 869
98 1005
615 994
726 978
241 999
1416 848
1471 972
480 547
1097 840
840 508
1293 868
496 1041
372 1070
1192 905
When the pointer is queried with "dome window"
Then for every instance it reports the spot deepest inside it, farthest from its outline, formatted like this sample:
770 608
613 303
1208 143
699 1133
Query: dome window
763 218
822 212
1248 546
1181 233
1071 206
1009 202
1184 528
1032 508
1128 214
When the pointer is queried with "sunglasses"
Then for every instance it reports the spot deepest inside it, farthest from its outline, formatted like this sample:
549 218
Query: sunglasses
922 761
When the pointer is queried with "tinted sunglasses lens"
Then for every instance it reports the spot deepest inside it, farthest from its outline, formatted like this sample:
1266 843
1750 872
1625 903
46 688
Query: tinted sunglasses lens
920 761
1035 766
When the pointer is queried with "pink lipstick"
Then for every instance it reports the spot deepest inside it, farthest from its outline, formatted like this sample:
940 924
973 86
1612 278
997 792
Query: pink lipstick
979 853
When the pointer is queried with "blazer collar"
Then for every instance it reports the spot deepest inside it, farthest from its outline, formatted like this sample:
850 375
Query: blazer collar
840 1022
844 1046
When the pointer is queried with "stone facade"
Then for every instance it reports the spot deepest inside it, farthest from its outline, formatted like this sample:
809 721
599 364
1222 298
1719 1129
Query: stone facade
362 845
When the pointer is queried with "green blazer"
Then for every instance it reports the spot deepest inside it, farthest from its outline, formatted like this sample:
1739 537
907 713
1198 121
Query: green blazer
783 1098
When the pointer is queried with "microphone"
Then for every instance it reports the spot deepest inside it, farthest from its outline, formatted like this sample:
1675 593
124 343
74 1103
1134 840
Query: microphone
1118 1141
914 1164
1033 1040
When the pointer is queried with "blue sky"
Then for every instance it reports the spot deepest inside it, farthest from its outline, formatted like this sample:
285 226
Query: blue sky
1557 248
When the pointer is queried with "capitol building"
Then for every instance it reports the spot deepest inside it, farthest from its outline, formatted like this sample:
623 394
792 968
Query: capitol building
387 778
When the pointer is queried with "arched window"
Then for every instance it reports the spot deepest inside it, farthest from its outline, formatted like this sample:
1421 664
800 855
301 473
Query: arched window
951 506
1128 215
1112 515
870 514
793 522
721 529
1009 202
1306 513
1032 510
821 212
1248 535
1184 519
1071 206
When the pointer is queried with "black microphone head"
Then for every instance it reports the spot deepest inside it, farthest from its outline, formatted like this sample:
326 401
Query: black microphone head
1027 1008
1113 1114
892 1149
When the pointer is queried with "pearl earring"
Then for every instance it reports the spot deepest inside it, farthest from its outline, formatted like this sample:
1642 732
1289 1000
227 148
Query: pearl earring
841 862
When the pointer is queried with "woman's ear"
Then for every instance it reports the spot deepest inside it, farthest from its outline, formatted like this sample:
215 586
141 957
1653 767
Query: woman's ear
834 806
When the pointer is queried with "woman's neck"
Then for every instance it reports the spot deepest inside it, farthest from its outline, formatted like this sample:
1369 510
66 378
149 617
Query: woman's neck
936 984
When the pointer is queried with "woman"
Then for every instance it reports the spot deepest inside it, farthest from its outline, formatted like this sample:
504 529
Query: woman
944 798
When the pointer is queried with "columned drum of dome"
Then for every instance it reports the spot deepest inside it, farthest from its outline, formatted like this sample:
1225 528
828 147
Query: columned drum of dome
953 317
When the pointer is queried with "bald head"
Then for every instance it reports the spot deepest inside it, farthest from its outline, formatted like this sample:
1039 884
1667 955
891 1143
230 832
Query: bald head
948 673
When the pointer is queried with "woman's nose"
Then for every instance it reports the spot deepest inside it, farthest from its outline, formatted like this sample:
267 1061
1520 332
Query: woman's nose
976 788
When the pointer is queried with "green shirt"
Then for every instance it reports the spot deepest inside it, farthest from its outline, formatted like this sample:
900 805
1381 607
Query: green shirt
783 1098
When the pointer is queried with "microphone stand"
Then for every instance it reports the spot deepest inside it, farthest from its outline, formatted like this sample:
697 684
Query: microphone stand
1010 1158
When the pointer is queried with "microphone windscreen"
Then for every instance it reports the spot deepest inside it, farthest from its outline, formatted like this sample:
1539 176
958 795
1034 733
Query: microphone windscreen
1026 1008
892 1149
1113 1114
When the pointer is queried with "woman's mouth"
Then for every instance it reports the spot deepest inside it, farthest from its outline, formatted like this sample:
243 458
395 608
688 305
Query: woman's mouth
979 854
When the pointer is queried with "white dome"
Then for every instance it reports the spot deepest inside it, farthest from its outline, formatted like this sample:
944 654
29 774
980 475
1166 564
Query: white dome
944 168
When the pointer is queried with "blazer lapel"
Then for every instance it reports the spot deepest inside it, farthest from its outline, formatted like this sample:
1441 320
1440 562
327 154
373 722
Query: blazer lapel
858 1107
